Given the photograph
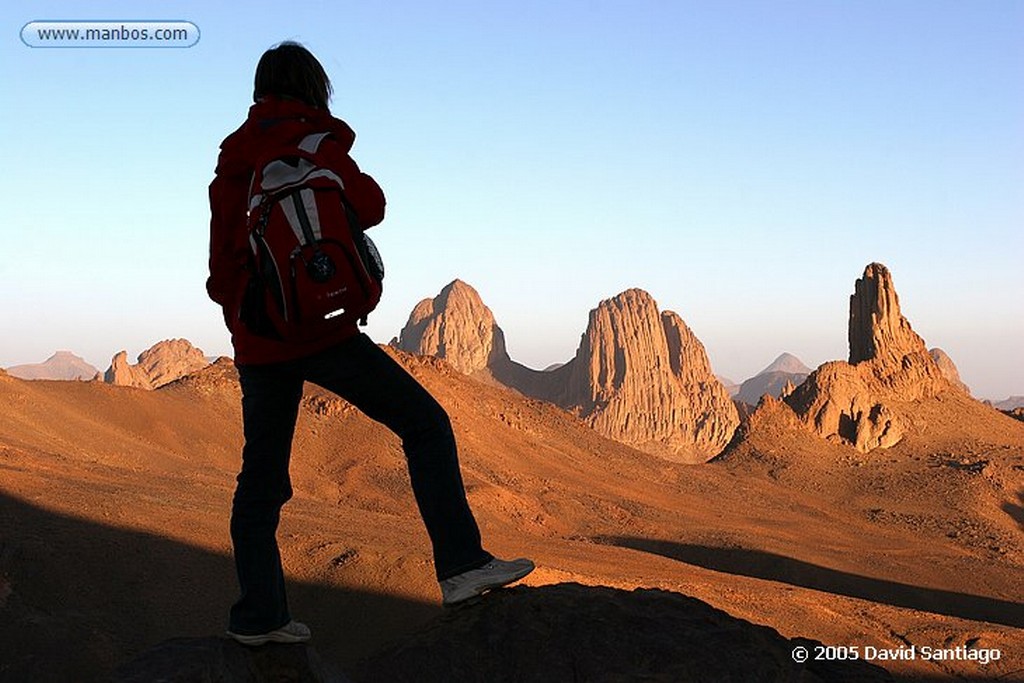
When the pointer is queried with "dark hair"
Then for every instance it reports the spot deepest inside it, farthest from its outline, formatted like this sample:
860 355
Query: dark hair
290 70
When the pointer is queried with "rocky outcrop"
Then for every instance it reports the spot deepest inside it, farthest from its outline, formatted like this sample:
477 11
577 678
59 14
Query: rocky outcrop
643 378
122 373
218 378
571 632
862 402
639 376
948 369
162 363
456 326
190 660
62 365
844 403
877 329
785 370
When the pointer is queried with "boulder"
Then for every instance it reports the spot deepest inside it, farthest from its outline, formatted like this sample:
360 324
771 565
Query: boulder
571 632
161 364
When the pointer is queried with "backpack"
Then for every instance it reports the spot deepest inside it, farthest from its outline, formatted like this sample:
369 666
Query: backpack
313 270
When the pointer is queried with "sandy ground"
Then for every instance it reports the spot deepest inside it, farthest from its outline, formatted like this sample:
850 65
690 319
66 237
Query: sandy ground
114 510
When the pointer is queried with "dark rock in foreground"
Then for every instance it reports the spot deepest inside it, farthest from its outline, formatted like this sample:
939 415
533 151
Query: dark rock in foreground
219 660
570 632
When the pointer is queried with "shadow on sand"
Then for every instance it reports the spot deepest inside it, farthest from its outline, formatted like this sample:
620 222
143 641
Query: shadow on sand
1016 512
78 598
771 567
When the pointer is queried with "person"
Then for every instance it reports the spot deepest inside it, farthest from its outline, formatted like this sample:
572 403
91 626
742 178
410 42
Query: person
291 96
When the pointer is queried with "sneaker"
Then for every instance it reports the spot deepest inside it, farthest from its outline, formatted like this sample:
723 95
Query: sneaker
292 632
494 574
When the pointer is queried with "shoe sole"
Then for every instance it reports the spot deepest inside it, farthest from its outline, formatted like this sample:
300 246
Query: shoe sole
255 641
480 590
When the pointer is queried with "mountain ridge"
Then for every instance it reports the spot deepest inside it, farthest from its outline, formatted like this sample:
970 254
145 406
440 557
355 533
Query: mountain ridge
639 375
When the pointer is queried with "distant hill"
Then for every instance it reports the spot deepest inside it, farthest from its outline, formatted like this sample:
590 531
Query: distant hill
731 386
1011 403
787 362
773 379
62 365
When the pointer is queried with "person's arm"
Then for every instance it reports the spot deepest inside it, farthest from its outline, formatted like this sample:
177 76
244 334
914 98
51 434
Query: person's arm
367 199
229 253
361 191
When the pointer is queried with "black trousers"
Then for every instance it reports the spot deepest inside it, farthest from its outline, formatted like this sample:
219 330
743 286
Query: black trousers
364 375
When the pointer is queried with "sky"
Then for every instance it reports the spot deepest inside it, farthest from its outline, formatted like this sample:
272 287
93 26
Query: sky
741 161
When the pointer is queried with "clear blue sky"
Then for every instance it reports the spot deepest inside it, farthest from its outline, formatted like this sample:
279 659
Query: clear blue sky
742 161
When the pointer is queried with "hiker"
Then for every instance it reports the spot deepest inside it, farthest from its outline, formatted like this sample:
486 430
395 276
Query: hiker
291 98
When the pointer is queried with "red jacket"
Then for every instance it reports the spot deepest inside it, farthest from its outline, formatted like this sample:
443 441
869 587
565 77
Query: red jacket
272 122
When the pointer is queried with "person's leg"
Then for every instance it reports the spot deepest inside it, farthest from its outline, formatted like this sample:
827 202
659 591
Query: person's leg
270 404
363 374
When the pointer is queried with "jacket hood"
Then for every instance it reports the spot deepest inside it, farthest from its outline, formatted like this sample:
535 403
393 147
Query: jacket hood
273 120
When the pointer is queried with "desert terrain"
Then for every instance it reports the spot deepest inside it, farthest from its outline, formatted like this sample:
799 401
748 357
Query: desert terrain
114 506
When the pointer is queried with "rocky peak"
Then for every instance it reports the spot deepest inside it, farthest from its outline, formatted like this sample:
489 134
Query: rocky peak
787 363
877 328
787 389
643 378
456 326
162 363
868 402
624 344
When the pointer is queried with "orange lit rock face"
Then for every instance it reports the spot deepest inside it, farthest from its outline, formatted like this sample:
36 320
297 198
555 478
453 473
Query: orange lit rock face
643 378
639 376
162 363
455 326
